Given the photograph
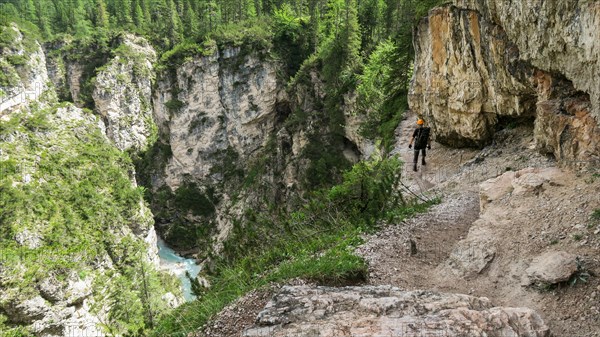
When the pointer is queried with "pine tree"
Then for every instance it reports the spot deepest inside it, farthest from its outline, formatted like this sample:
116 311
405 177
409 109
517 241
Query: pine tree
190 19
101 19
28 10
124 11
42 19
174 25
138 16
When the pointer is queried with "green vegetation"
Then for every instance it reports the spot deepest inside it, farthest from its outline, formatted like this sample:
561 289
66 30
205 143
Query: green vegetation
379 98
596 215
314 242
330 50
174 105
67 191
581 275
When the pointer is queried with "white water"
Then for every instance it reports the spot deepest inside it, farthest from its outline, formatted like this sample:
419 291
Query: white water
178 265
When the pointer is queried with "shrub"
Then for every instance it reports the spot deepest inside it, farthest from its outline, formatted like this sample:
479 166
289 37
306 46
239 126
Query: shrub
174 105
80 201
183 52
596 215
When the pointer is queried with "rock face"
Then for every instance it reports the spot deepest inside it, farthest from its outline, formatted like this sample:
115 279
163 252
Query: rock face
387 311
481 63
123 92
462 82
47 285
225 106
23 64
555 36
216 113
62 302
224 117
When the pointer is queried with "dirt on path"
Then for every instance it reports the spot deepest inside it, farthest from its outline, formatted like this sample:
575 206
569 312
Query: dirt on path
516 228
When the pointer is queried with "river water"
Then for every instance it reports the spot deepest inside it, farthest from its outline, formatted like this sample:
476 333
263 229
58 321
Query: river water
178 265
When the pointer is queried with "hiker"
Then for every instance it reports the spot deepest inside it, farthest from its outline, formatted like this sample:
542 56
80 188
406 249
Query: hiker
421 139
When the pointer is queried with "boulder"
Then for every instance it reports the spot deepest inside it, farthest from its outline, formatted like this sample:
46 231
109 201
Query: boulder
472 255
551 268
303 311
528 184
494 189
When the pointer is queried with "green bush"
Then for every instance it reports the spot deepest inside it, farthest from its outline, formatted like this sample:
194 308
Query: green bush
174 105
8 75
80 201
253 34
379 98
184 52
315 241
596 215
190 198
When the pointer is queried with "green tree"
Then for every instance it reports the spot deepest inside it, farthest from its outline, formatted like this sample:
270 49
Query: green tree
101 15
190 20
138 16
174 24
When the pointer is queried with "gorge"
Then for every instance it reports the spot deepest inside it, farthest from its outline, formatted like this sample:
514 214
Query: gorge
262 154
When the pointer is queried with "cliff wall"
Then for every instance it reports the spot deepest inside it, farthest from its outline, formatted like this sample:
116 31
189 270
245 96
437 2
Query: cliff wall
481 65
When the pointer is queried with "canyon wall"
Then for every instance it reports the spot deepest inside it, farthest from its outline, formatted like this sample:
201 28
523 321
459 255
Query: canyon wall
76 233
481 65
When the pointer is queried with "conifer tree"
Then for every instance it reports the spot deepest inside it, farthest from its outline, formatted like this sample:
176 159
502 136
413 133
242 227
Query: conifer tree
190 19
174 25
138 16
101 19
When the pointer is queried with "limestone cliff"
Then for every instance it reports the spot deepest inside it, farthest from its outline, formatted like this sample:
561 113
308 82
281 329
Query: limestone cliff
554 36
479 64
224 103
76 233
23 63
234 139
123 91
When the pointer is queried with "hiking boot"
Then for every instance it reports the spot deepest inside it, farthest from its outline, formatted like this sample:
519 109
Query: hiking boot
415 168
423 162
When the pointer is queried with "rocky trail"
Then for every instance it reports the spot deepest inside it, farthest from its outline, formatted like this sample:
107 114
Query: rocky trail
505 210
485 234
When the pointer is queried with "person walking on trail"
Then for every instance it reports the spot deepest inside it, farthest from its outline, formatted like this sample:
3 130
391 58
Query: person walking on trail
421 139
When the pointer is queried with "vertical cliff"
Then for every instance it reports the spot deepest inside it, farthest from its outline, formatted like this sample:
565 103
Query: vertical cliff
479 64
24 77
216 113
122 93
234 139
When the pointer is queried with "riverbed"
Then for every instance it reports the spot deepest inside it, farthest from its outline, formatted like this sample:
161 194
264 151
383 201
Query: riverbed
178 265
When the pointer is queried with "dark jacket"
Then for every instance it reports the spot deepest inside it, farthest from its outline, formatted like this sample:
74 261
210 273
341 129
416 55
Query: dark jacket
421 136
